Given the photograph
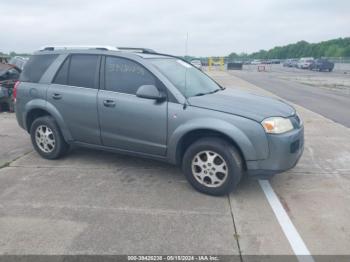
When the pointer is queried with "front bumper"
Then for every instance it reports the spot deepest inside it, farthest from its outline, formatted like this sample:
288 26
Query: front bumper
285 151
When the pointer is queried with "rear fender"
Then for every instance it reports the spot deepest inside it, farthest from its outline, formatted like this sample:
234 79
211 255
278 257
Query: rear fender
51 110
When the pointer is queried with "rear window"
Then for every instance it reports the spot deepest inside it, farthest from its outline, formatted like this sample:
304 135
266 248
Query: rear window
36 67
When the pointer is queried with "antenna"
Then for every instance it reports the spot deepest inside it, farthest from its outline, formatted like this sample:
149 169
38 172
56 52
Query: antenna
186 45
186 50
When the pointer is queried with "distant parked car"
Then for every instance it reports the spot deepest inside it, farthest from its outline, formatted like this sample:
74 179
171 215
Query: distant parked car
197 63
290 63
256 62
322 65
8 76
294 63
236 65
275 61
305 62
18 61
287 63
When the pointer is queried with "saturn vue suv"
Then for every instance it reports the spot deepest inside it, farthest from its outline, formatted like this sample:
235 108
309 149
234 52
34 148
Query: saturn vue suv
157 106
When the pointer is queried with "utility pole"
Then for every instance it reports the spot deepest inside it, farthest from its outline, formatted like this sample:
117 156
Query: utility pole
186 46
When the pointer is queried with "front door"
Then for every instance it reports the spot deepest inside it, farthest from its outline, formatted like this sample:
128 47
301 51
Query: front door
128 122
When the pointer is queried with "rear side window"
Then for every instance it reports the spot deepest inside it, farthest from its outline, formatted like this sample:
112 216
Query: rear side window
36 67
62 74
79 70
125 76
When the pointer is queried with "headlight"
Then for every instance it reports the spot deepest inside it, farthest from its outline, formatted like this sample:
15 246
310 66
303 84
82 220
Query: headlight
277 125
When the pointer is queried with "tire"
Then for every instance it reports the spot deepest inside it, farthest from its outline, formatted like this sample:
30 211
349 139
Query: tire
209 181
47 139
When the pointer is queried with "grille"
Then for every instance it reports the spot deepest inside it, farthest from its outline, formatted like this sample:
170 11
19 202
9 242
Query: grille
294 147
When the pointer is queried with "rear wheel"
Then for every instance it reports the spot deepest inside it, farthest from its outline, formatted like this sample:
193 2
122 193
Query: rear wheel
212 166
47 138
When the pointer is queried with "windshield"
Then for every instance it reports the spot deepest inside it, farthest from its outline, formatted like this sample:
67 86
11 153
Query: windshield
186 78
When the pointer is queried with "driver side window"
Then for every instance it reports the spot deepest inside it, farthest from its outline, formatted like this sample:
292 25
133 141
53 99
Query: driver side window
126 76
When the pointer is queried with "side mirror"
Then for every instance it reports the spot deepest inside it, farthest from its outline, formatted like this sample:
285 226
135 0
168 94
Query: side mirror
149 92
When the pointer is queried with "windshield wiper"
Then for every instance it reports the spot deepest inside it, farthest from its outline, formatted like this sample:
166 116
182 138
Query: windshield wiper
216 90
211 92
200 94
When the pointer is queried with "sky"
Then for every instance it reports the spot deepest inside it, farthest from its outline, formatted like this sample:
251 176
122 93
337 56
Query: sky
214 27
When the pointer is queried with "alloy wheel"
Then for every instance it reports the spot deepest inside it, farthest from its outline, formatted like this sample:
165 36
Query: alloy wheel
209 168
45 139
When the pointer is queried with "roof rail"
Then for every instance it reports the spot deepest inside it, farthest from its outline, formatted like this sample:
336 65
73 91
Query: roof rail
71 47
137 50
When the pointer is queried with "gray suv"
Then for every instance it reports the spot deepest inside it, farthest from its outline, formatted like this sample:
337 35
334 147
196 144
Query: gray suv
157 106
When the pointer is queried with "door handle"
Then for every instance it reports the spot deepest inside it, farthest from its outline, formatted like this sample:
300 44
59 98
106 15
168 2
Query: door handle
56 96
109 103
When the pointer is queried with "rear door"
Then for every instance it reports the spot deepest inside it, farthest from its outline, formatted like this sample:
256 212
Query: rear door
74 93
129 122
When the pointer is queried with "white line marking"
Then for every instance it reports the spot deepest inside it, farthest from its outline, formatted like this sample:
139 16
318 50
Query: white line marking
296 242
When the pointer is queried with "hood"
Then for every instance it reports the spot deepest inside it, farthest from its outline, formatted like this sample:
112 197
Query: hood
243 104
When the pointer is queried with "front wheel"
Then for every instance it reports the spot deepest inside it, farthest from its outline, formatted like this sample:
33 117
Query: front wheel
213 166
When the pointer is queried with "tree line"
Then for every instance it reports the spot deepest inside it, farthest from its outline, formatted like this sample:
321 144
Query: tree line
339 47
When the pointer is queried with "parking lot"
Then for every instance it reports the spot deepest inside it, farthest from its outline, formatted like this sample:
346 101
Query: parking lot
93 202
326 93
338 80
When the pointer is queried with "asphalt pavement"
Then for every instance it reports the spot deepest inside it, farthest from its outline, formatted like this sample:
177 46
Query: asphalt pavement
93 202
331 104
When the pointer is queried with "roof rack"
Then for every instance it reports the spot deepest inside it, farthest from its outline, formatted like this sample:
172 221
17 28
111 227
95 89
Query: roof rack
70 47
137 50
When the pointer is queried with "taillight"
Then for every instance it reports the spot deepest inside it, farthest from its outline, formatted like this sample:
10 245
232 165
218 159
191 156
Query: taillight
14 94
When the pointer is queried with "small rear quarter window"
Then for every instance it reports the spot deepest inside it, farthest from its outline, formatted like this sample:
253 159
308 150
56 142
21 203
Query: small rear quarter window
36 67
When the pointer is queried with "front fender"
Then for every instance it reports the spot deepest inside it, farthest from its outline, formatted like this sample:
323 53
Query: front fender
217 125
